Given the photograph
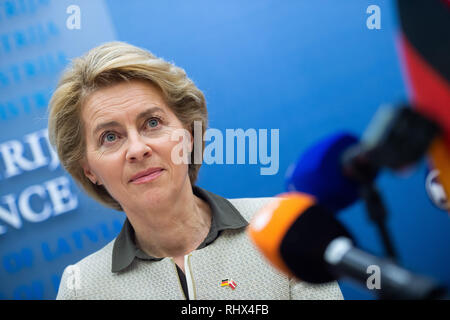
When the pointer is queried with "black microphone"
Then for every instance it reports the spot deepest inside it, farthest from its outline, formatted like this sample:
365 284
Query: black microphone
304 240
334 168
390 280
340 168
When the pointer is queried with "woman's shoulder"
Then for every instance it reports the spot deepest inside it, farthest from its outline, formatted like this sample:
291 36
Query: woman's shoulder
249 206
89 271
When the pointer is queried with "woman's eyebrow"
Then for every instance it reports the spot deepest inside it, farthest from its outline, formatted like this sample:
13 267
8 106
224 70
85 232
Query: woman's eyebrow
143 115
149 112
105 125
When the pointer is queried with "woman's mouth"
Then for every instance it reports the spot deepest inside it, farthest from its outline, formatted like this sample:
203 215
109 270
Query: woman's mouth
146 176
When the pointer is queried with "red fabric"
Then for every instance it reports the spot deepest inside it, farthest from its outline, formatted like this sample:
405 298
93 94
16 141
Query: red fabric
430 92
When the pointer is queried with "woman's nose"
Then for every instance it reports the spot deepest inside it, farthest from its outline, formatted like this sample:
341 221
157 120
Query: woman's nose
137 149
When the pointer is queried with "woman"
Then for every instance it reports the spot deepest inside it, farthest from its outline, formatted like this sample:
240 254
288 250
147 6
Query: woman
112 121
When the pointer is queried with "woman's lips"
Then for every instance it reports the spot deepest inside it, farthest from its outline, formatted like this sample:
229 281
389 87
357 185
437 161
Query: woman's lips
147 178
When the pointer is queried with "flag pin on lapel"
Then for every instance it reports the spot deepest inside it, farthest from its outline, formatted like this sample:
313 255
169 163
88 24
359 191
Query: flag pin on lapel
228 283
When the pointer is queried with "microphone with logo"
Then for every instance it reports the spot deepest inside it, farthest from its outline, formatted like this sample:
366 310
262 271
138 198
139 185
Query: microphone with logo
304 240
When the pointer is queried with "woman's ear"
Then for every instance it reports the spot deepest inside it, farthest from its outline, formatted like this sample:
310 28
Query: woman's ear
89 174
192 142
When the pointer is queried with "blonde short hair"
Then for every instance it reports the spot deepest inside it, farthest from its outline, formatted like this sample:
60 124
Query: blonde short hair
103 66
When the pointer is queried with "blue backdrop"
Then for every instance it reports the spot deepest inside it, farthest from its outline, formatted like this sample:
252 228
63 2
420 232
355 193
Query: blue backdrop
307 68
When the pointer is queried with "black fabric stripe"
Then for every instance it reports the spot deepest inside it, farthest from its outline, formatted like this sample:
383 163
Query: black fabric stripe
426 24
183 282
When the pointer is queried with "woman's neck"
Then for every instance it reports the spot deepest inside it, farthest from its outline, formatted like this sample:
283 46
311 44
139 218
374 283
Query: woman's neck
174 229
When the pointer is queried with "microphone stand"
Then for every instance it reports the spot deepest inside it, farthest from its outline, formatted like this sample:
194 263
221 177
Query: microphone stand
397 137
357 166
377 214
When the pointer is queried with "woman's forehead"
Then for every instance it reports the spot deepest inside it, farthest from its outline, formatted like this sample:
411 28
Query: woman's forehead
127 99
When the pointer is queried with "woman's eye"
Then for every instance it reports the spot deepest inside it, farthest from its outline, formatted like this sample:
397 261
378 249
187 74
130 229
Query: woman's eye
153 122
110 137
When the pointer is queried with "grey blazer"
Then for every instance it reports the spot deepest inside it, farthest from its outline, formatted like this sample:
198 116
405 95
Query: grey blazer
231 256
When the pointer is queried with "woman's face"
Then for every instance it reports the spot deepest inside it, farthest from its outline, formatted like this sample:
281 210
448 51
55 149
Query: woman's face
128 129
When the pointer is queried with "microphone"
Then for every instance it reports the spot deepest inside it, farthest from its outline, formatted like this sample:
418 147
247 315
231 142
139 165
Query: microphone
304 240
394 281
338 168
319 172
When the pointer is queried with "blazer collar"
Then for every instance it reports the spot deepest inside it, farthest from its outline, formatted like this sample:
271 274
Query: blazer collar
224 216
